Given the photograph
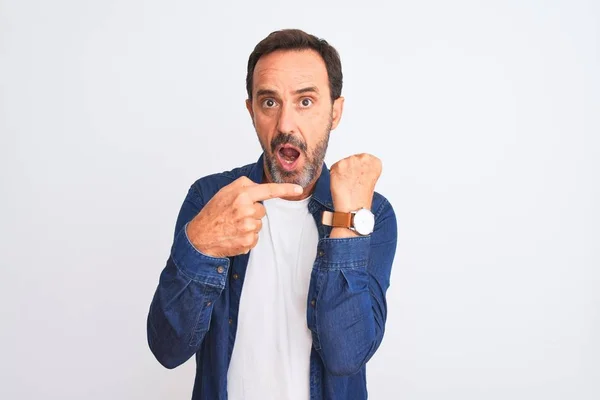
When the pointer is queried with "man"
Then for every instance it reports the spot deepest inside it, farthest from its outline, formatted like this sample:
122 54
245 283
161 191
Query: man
312 247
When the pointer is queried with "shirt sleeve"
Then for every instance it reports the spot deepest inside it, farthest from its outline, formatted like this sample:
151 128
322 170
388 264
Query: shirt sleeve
347 307
188 286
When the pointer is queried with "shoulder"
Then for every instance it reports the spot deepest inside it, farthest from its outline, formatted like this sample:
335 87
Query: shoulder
382 208
380 202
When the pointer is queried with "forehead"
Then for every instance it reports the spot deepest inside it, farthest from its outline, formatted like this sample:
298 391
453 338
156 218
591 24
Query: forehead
289 69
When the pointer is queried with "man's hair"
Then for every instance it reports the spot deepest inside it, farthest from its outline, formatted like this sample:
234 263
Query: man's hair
295 39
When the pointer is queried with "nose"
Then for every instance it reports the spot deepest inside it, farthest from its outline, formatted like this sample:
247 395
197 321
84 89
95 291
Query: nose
287 119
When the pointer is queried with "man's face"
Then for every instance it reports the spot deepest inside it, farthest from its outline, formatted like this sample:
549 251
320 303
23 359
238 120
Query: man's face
292 113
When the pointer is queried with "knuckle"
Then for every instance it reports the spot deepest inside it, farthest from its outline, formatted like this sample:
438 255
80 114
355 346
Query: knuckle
236 202
248 240
243 211
247 225
241 198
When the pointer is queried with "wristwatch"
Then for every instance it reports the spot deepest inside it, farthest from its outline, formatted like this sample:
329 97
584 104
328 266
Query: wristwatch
361 221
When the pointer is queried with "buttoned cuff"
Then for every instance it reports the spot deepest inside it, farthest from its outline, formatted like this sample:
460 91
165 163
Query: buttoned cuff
197 266
338 253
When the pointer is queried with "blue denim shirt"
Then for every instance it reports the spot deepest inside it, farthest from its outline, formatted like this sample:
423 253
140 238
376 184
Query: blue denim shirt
195 308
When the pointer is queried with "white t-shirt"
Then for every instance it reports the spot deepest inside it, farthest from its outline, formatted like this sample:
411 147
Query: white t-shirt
271 354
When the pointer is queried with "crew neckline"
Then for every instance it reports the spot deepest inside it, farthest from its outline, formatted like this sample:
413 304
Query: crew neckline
289 203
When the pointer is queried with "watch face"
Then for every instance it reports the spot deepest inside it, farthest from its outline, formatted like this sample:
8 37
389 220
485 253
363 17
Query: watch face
364 221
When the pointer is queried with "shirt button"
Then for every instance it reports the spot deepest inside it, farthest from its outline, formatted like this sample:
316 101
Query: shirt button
235 276
230 321
220 269
313 302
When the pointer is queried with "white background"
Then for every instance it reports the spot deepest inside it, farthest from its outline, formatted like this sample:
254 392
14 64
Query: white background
486 117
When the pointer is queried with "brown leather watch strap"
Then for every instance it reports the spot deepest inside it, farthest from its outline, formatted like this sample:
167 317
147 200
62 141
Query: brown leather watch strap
337 219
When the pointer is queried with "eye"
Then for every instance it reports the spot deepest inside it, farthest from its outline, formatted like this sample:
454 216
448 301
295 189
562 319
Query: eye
306 102
269 103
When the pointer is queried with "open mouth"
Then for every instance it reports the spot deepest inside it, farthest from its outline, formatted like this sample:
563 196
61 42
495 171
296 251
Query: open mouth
288 157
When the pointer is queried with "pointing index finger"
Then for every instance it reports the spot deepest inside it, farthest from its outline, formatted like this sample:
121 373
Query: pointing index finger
266 191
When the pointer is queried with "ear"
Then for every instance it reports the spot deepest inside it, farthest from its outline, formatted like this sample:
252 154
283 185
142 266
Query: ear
336 113
249 108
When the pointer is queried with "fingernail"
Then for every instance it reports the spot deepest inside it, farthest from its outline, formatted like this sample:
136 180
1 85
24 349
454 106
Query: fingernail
298 189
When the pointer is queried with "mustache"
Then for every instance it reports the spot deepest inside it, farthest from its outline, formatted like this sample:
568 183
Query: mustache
287 138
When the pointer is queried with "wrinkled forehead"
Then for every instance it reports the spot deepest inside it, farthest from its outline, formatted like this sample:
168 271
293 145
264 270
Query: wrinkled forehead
286 71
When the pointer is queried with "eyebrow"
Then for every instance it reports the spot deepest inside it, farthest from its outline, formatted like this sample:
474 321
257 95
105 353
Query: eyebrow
265 92
309 89
270 92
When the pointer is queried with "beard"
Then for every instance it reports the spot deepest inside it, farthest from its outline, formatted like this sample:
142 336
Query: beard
313 159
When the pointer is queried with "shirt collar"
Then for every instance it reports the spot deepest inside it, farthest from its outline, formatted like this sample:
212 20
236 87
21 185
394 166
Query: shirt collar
321 192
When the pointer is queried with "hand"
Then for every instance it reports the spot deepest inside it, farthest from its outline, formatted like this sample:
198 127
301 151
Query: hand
229 223
353 182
